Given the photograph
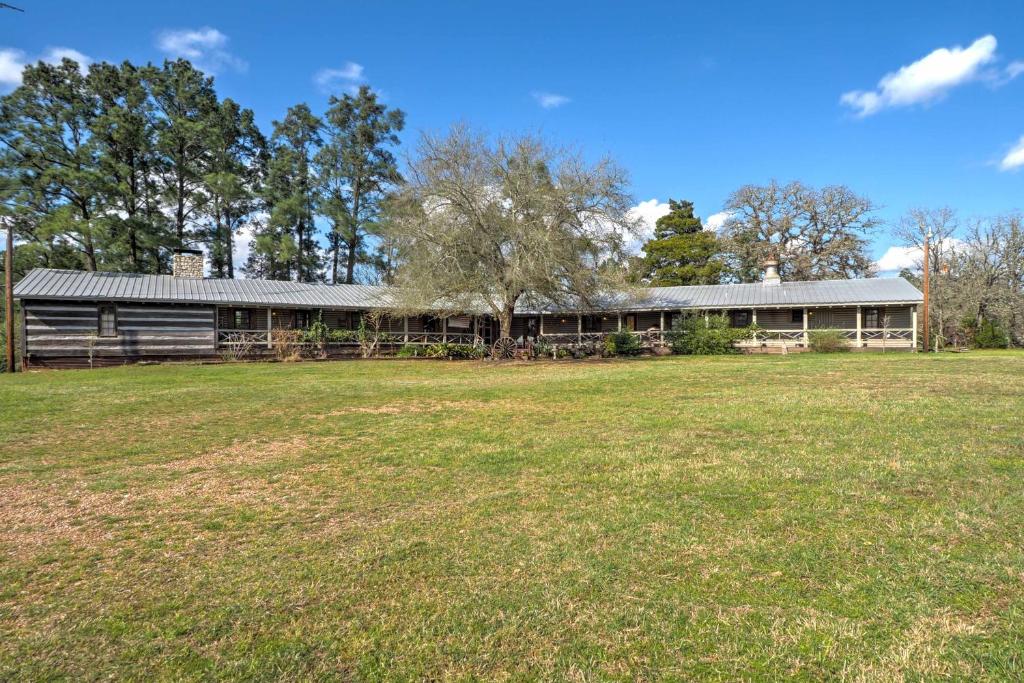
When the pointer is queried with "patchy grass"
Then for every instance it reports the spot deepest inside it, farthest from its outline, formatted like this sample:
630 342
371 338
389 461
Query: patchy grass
857 517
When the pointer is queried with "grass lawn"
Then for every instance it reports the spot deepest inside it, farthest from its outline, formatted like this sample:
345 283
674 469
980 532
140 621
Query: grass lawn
855 516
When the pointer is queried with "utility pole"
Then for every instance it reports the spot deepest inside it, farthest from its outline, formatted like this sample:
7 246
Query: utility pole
927 282
9 295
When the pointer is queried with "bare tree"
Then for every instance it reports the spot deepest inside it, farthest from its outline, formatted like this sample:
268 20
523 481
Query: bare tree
818 234
481 224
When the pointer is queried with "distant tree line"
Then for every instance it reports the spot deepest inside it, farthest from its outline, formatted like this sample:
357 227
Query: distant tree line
114 166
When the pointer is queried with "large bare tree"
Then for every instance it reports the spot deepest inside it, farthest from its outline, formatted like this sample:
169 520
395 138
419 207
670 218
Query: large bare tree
481 224
818 234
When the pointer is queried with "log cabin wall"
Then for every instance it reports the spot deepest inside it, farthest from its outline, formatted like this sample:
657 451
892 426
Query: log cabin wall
72 334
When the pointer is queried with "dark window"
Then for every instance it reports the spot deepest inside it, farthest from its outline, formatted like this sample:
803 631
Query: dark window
871 318
591 323
108 321
740 318
302 319
629 322
797 315
243 319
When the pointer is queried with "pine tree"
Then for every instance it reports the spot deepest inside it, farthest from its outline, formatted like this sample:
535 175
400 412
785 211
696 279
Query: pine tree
238 162
124 131
356 167
45 129
682 252
290 193
187 103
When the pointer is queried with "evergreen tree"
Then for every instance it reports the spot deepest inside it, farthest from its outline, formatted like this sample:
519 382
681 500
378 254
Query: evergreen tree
356 167
682 251
290 194
50 158
237 160
124 130
187 103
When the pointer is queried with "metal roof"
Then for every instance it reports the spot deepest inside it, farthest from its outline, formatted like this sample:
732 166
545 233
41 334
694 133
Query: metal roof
73 285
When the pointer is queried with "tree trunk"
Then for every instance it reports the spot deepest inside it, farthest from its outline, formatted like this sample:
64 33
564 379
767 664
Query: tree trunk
335 248
505 321
353 242
229 239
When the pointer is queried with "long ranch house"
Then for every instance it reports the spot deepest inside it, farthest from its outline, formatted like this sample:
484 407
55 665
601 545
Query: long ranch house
76 318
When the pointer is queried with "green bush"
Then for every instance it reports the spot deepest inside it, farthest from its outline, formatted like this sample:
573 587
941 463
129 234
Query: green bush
991 335
827 341
410 351
622 343
713 336
454 351
342 336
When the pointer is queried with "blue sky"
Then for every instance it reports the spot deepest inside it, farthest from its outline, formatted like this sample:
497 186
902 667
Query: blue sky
693 99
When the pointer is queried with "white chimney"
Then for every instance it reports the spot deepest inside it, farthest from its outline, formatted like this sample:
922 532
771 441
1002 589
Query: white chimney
771 273
187 263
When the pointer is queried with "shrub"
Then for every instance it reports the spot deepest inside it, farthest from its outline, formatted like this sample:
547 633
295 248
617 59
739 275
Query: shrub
827 341
342 336
410 351
711 336
287 344
453 351
622 343
991 335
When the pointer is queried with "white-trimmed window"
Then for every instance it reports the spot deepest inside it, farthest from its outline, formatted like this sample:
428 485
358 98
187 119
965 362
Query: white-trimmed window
107 323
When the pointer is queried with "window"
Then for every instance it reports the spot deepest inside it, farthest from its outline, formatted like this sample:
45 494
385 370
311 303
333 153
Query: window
591 323
740 318
242 319
871 318
302 319
629 322
107 321
797 316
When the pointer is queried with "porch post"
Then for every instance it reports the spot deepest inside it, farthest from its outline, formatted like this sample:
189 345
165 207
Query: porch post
270 319
579 328
541 331
858 327
619 316
806 338
913 330
405 328
444 330
753 320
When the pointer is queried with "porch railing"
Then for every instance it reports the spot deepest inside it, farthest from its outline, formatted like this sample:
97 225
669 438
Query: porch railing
234 338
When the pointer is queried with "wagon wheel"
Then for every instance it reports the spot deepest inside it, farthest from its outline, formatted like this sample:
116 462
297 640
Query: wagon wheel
505 347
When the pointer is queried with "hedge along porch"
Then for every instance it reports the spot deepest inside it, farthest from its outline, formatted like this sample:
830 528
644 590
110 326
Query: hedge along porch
88 318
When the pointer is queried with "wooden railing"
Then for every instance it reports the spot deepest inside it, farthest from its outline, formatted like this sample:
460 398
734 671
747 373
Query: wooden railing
232 338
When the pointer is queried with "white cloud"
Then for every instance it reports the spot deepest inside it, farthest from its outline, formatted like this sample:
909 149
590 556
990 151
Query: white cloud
896 259
550 100
205 47
929 78
1014 69
13 62
1014 159
716 221
348 76
647 213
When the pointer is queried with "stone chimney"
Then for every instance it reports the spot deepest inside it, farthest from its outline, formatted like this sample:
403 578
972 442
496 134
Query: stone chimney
771 273
187 263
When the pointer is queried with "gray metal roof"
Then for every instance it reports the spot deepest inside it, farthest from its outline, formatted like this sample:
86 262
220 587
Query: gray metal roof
44 283
73 285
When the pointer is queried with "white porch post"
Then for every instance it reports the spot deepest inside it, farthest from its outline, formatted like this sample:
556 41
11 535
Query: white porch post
858 327
541 331
753 321
661 323
806 338
579 328
913 328
444 330
405 328
270 320
619 316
